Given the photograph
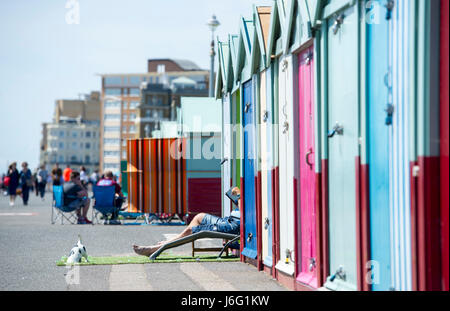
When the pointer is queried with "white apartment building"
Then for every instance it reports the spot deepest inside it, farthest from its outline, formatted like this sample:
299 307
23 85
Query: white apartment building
73 142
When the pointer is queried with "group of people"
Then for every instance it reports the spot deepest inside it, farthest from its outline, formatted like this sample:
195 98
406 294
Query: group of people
60 176
75 189
75 186
18 182
76 195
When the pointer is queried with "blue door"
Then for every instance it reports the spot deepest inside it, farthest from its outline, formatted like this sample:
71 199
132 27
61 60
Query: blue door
379 121
249 117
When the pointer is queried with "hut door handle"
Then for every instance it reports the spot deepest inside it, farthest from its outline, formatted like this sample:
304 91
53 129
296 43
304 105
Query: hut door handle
266 223
307 158
389 107
309 58
285 127
312 264
265 116
249 237
339 273
337 129
247 107
337 23
390 112
389 6
223 161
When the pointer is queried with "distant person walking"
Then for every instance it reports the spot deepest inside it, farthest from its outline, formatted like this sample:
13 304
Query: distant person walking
94 178
42 176
66 173
84 177
25 182
13 175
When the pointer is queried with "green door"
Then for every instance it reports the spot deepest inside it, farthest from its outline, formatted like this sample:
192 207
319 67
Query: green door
343 43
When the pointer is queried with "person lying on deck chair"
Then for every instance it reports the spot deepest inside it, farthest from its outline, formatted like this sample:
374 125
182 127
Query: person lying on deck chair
201 222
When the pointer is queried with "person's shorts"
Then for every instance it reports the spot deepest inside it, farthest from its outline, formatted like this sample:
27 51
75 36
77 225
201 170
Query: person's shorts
214 223
78 203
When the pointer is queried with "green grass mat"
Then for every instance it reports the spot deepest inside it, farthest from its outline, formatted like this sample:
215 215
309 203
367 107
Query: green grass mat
163 258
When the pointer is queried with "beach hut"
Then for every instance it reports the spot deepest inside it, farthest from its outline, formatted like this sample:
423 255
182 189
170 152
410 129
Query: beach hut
297 205
273 52
444 113
223 93
424 146
248 96
262 16
235 113
286 141
378 49
299 41
402 150
201 125
340 103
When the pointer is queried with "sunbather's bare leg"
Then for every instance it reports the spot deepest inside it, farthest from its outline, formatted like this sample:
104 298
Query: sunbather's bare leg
148 250
196 221
145 250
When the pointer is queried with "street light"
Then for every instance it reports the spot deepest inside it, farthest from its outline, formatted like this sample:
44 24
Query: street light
213 23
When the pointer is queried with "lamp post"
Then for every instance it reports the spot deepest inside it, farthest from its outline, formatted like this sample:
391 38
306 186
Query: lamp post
213 23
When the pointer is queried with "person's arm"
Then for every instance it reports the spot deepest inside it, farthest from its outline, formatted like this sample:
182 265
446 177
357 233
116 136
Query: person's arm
81 192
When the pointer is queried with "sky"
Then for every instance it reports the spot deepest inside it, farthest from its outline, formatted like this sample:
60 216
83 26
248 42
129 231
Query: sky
49 52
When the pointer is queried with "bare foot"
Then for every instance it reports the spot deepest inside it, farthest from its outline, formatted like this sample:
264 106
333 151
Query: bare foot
145 250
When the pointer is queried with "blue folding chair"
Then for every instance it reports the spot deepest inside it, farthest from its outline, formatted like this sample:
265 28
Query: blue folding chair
104 197
59 210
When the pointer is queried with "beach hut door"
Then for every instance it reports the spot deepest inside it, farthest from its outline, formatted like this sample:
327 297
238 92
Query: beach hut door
343 149
226 156
249 172
380 112
307 233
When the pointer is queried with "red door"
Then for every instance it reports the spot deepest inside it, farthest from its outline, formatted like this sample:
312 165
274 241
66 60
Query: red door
306 268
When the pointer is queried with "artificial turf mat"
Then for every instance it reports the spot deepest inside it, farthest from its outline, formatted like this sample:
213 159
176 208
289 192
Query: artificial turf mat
163 258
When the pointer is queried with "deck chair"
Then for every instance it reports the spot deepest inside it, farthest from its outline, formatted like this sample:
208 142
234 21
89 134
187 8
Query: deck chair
231 238
61 211
104 197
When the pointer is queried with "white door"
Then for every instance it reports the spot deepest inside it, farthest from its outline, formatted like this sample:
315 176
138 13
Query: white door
286 165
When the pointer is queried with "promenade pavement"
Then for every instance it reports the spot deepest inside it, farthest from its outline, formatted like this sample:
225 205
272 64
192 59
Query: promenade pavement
31 246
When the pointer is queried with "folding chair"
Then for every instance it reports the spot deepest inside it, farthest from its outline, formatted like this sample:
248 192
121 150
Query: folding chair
231 238
59 210
104 197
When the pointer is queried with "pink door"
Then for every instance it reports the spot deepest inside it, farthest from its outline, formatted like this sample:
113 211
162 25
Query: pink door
307 232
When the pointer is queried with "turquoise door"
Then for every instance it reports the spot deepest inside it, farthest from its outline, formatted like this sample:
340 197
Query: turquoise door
379 125
343 148
249 117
